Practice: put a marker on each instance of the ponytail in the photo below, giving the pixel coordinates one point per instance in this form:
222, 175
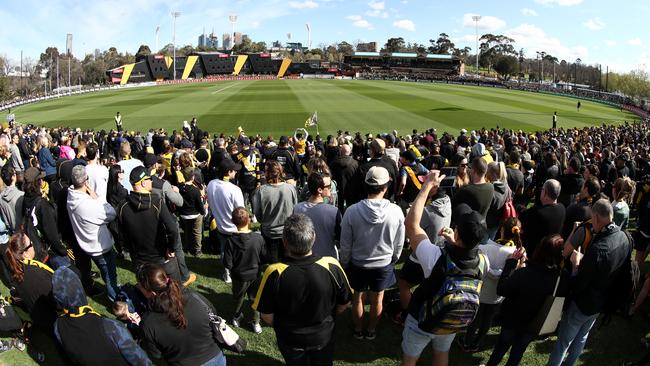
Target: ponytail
18, 244
512, 231
168, 296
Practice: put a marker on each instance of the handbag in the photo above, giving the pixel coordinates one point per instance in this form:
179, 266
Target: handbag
222, 333
548, 316
9, 319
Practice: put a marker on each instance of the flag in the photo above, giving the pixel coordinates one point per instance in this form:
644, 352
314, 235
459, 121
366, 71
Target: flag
312, 121
308, 122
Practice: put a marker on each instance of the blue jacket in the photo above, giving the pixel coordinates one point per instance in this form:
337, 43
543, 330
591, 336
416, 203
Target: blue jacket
46, 160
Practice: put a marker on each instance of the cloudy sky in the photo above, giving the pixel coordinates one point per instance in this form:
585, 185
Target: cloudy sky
597, 31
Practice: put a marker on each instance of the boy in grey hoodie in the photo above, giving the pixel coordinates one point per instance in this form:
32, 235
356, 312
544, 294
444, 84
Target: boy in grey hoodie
372, 237
11, 199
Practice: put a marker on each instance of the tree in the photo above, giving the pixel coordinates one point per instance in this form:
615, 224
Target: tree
506, 66
394, 45
442, 46
142, 51
492, 46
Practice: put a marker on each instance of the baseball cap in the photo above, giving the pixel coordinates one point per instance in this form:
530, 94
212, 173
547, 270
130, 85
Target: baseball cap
186, 144
33, 174
138, 174
471, 225
377, 176
228, 164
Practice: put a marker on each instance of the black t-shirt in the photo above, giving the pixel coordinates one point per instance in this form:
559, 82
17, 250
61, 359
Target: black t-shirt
35, 293
193, 345
302, 295
476, 196
540, 221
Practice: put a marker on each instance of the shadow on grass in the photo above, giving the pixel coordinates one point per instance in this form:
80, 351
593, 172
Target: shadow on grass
447, 109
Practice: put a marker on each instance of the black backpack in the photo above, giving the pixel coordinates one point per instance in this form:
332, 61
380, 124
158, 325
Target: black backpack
625, 282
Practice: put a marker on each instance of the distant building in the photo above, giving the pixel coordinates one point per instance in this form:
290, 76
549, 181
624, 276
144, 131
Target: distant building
295, 46
98, 53
245, 38
227, 42
209, 40
238, 37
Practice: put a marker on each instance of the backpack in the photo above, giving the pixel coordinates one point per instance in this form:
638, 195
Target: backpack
455, 304
625, 282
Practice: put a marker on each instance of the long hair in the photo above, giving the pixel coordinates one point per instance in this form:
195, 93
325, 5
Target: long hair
274, 172
114, 184
624, 189
549, 251
168, 296
18, 244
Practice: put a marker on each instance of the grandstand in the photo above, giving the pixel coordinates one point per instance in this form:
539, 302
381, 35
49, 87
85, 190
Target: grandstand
405, 63
208, 64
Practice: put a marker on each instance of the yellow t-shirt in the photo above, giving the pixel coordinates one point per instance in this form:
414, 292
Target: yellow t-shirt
300, 146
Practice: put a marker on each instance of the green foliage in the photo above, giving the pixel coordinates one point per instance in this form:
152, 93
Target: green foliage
443, 45
394, 45
142, 51
506, 66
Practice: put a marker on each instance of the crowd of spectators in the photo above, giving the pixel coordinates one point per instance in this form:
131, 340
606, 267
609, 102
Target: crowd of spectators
527, 215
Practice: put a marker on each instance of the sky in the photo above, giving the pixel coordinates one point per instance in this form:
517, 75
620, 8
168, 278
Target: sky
608, 33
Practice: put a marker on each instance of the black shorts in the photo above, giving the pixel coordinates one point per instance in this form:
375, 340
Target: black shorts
411, 272
371, 279
640, 241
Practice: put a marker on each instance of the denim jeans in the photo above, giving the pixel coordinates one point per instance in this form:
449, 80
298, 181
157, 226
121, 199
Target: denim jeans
218, 360
106, 264
572, 336
58, 261
512, 340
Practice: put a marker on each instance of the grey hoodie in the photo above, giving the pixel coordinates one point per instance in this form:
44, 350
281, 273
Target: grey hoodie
11, 202
372, 234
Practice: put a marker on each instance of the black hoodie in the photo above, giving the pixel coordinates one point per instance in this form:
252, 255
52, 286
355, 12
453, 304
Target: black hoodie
46, 219
243, 254
148, 227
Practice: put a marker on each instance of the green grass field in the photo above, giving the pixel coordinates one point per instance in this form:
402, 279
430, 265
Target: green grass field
280, 106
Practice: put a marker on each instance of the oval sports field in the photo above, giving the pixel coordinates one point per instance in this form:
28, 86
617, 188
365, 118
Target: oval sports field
278, 107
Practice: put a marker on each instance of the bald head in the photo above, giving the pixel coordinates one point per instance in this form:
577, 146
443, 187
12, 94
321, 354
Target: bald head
345, 150
552, 189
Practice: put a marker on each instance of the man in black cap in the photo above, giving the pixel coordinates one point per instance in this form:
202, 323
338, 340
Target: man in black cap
460, 256
250, 174
148, 226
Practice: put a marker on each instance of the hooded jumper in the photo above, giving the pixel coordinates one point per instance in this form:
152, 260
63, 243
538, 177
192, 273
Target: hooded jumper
372, 234
87, 337
147, 224
436, 215
11, 202
243, 255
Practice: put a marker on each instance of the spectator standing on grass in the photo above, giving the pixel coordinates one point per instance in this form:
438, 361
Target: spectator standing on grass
344, 168
593, 275
379, 159
46, 159
479, 193
11, 199
372, 237
86, 337
243, 256
272, 204
328, 217
223, 198
90, 216
177, 329
97, 173
461, 254
526, 284
542, 220
127, 163
191, 213
571, 182
287, 159
301, 296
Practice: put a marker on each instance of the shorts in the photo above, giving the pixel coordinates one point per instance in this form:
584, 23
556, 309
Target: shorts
411, 272
640, 241
371, 279
414, 339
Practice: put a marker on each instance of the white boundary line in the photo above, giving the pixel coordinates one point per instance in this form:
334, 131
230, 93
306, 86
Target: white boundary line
222, 89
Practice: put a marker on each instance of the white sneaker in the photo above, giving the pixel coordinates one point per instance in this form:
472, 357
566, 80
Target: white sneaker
257, 328
226, 277
236, 320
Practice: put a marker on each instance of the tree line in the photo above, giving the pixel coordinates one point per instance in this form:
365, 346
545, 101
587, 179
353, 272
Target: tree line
497, 54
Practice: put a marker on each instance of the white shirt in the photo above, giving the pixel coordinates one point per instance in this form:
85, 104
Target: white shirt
223, 198
98, 179
127, 166
428, 254
89, 218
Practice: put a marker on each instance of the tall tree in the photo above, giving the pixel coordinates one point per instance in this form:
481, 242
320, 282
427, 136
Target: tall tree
394, 44
492, 46
142, 51
506, 66
442, 46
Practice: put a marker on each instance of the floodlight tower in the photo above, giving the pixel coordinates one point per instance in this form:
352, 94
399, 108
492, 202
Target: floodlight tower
233, 20
308, 36
175, 14
157, 32
476, 19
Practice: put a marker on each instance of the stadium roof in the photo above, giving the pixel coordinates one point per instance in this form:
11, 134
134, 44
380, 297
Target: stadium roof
403, 55
440, 57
